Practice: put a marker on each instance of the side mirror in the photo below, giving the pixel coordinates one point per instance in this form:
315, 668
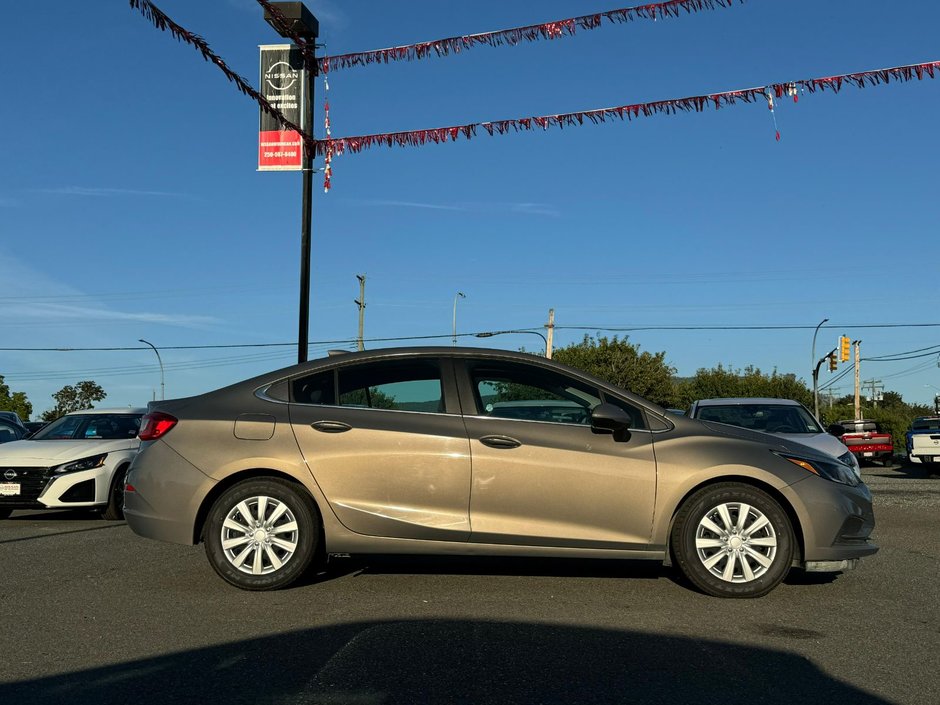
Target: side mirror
836, 429
607, 418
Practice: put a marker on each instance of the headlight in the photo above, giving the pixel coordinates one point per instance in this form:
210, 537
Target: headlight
849, 459
834, 470
95, 461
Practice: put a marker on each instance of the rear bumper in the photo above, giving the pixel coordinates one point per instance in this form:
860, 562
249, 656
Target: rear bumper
162, 495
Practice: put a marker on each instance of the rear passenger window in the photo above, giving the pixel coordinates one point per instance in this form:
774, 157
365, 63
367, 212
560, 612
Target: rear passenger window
317, 388
398, 386
394, 385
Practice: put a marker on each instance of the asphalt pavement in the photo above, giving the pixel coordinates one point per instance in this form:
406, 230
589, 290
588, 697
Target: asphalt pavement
91, 613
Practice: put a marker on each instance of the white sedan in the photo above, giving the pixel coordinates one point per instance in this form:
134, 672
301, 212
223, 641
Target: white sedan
77, 461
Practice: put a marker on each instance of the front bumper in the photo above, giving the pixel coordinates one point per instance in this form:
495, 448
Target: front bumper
39, 488
837, 522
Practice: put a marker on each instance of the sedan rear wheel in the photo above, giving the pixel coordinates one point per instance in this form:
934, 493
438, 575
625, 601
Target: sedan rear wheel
261, 534
733, 540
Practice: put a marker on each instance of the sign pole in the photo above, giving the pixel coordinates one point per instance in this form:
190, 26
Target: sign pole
284, 70
306, 205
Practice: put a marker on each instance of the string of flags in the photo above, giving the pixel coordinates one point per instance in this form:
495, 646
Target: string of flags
511, 37
330, 147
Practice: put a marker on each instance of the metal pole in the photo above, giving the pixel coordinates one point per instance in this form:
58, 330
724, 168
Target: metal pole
361, 301
551, 333
306, 204
458, 295
162, 387
816, 372
858, 405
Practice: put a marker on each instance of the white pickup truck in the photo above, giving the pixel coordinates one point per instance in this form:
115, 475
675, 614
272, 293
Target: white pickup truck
923, 440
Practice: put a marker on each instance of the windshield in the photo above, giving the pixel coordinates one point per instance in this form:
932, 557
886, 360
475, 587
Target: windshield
926, 425
91, 427
769, 418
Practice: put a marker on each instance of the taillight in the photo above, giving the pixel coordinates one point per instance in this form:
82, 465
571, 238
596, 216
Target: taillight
155, 425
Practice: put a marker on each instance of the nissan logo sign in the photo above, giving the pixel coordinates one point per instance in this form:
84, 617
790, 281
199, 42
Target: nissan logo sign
10, 474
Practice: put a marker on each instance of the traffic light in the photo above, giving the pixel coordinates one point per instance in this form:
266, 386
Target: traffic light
833, 363
844, 345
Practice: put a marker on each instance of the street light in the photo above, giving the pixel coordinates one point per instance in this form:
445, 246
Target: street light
816, 371
162, 388
490, 334
293, 19
458, 295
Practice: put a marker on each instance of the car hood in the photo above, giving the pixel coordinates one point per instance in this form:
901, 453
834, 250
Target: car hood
56, 452
820, 441
789, 443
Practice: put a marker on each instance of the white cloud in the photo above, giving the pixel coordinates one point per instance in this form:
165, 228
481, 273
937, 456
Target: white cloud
540, 209
102, 192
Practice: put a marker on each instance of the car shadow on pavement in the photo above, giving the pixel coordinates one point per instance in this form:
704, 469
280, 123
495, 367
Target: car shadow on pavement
488, 565
451, 661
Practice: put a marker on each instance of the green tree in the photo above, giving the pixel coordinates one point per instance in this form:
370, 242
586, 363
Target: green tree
81, 396
14, 401
622, 364
719, 382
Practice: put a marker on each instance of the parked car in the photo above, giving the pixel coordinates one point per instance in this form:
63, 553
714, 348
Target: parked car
33, 426
783, 417
13, 418
77, 461
430, 450
10, 431
866, 439
923, 440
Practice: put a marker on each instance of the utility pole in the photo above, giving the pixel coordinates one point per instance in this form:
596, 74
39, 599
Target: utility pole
876, 388
858, 402
361, 302
550, 326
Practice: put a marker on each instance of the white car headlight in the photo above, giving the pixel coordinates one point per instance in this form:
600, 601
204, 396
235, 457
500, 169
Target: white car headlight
95, 461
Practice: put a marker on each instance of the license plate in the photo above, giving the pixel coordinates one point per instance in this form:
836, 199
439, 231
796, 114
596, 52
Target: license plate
9, 488
868, 455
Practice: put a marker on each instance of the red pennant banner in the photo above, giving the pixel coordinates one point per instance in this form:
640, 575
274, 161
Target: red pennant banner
413, 138
516, 35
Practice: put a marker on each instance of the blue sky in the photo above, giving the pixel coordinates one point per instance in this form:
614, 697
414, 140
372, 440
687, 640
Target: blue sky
130, 206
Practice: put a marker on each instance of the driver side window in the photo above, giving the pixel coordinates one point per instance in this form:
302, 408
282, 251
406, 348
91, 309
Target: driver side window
517, 391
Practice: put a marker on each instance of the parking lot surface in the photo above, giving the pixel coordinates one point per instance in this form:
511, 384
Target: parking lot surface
92, 613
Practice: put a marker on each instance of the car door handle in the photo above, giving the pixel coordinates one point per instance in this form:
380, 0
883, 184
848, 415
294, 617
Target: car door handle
500, 442
331, 426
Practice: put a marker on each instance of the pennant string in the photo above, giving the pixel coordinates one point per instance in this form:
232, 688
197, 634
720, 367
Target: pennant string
898, 74
516, 35
162, 22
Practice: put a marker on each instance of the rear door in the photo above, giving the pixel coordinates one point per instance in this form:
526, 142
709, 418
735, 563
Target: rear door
387, 446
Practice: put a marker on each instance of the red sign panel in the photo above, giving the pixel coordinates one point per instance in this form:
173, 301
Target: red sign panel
283, 83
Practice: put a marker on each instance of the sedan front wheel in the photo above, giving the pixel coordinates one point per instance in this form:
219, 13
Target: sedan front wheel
261, 534
733, 540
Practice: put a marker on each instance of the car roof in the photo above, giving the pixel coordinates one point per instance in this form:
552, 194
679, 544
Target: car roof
746, 400
337, 361
124, 410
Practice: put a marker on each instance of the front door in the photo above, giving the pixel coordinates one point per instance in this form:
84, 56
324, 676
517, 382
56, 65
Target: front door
541, 476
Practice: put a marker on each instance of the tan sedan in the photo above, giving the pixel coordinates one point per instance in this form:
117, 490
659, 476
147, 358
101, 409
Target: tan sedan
484, 452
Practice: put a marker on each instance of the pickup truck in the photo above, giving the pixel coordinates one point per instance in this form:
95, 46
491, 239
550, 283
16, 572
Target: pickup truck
866, 441
923, 440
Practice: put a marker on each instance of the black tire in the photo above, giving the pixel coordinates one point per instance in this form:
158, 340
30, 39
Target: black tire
114, 511
263, 554
5, 513
721, 559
